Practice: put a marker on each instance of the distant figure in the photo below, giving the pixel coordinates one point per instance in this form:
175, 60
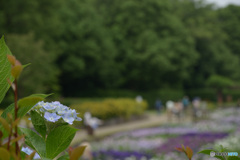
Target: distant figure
158, 105
91, 123
185, 102
238, 103
170, 108
204, 109
139, 99
196, 108
177, 110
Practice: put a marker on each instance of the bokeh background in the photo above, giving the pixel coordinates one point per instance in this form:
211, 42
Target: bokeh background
115, 58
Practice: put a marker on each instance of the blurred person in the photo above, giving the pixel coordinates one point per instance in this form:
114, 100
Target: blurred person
91, 123
139, 99
158, 105
204, 109
196, 108
177, 110
185, 102
169, 107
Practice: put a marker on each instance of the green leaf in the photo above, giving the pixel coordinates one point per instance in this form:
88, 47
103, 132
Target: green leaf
32, 100
233, 158
5, 124
58, 140
35, 141
9, 109
27, 103
24, 104
207, 151
39, 123
43, 158
25, 65
5, 69
64, 157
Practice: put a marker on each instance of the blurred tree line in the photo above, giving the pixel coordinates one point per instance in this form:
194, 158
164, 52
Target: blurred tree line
79, 46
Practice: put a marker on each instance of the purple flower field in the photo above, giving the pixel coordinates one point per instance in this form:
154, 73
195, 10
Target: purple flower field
159, 143
193, 140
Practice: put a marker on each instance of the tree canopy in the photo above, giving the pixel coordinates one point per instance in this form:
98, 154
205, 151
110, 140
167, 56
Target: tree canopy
86, 45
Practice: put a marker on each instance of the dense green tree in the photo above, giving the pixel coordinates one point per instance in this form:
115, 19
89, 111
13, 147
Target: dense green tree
29, 27
220, 83
229, 18
215, 57
153, 45
137, 45
87, 59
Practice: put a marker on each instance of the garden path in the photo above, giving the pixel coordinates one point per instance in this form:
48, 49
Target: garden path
151, 120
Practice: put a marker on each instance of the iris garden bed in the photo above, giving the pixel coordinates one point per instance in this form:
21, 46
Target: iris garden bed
159, 143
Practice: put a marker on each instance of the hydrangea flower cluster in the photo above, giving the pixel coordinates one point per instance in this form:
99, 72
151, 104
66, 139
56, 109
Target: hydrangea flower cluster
55, 110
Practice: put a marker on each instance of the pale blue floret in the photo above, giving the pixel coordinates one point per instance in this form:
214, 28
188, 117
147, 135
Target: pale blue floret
72, 113
62, 109
49, 106
42, 110
68, 118
78, 119
52, 117
36, 156
26, 150
56, 103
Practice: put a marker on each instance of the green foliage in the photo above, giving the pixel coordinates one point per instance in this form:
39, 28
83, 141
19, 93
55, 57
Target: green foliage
220, 150
35, 141
25, 105
205, 93
117, 45
112, 108
234, 93
219, 81
229, 17
58, 140
39, 123
233, 158
5, 125
64, 157
53, 138
27, 49
5, 68
208, 151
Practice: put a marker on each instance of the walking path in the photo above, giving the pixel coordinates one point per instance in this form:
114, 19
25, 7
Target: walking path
151, 120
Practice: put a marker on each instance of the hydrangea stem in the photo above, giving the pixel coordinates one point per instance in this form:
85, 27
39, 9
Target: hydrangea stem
16, 111
9, 139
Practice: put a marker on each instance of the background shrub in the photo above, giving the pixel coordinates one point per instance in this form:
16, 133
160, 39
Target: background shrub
112, 108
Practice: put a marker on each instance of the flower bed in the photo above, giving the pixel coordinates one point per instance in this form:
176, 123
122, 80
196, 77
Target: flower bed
159, 143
